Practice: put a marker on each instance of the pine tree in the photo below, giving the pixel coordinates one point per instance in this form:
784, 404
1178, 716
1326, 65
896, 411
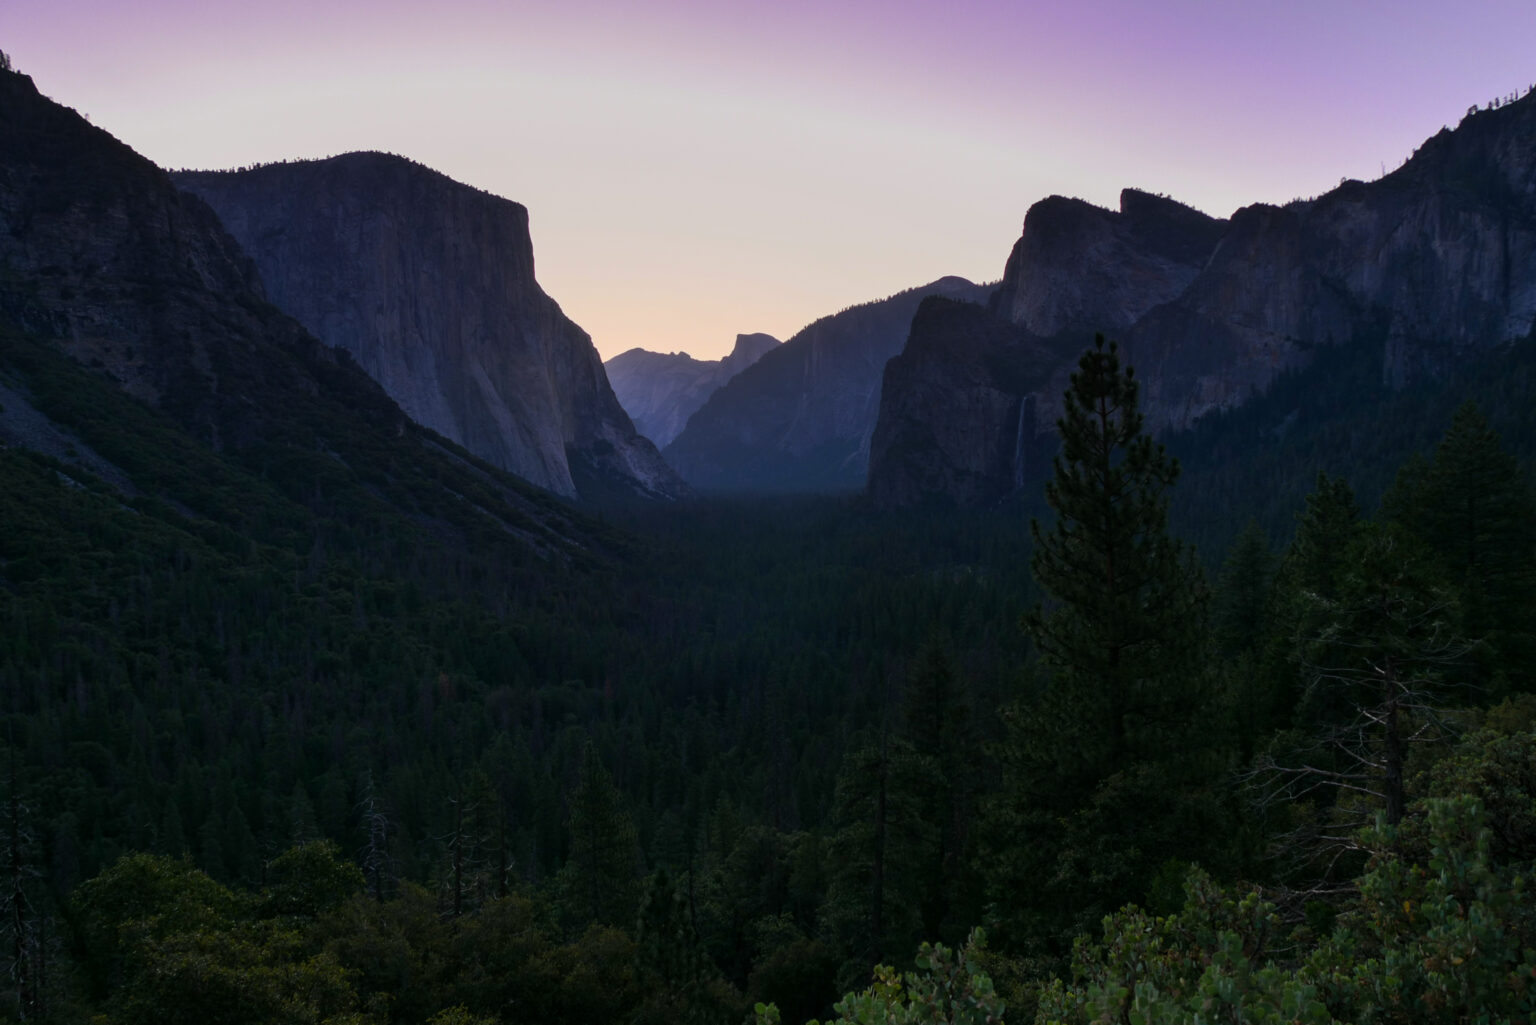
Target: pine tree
1470, 504
1122, 633
1310, 575
1241, 604
375, 851
682, 985
1324, 529
477, 860
1104, 770
881, 852
17, 915
1240, 623
599, 881
937, 724
1381, 664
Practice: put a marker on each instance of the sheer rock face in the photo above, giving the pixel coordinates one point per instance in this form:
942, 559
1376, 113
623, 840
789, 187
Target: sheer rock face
1079, 267
801, 417
429, 284
661, 390
980, 371
104, 258
1432, 264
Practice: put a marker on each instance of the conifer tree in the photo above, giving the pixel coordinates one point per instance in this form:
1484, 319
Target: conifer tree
681, 984
938, 727
1472, 506
1379, 667
600, 878
1324, 529
1240, 624
1310, 575
1122, 630
1241, 603
17, 916
375, 852
1103, 771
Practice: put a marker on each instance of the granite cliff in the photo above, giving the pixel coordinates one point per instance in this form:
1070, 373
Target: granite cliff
429, 284
1427, 267
1078, 267
104, 260
661, 390
800, 418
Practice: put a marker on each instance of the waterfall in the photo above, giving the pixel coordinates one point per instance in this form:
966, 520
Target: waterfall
1018, 444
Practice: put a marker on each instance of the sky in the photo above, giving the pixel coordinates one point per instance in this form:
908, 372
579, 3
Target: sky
698, 168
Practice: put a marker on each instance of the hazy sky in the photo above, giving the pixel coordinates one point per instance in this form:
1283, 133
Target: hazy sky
698, 168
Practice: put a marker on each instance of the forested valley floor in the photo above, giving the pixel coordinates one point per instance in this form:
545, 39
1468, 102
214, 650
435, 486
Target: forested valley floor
272, 755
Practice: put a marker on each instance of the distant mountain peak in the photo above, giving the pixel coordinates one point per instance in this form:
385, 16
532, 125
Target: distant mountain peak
800, 418
660, 391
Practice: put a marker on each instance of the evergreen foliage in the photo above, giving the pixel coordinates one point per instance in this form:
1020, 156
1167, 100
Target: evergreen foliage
1379, 666
1127, 600
1470, 504
1104, 770
883, 847
282, 751
1241, 602
600, 881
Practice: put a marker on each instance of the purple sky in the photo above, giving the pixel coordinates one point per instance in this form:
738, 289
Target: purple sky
698, 168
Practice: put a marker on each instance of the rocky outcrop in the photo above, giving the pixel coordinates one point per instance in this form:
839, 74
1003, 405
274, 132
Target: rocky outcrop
1429, 266
661, 390
429, 284
1078, 267
801, 417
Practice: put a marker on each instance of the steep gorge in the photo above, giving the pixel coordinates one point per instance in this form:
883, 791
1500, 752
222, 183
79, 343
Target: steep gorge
661, 390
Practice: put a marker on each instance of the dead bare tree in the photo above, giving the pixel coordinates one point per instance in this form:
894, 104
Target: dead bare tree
1380, 668
375, 859
18, 917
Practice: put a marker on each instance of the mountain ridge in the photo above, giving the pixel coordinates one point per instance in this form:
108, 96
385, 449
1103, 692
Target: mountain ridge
1432, 264
126, 279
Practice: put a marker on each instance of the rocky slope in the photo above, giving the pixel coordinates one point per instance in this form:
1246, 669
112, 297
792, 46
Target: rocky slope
103, 259
429, 284
1430, 266
800, 418
661, 390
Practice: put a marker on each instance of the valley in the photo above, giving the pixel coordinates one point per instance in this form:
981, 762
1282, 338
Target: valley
366, 660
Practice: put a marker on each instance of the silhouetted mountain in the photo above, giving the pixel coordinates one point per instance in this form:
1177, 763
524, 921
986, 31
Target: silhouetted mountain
430, 285
661, 390
800, 418
254, 423
1080, 267
1429, 267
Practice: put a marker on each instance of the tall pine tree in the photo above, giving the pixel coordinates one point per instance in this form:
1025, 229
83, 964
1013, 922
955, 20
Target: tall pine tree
600, 881
1473, 507
1121, 633
1103, 770
1310, 575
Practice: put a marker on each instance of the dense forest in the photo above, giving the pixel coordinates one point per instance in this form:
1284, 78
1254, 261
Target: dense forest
272, 754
